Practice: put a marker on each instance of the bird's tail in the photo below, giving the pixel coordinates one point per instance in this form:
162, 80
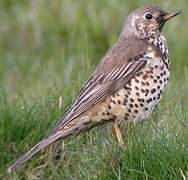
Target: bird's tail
38, 147
60, 134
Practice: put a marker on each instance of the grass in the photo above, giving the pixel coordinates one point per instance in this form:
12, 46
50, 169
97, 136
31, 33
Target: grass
47, 50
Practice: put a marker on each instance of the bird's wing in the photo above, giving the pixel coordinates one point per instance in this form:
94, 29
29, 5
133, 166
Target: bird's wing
99, 87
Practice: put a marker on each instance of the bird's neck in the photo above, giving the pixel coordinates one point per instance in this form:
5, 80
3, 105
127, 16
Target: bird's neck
160, 43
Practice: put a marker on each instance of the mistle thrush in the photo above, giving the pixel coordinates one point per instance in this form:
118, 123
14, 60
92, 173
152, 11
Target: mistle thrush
126, 85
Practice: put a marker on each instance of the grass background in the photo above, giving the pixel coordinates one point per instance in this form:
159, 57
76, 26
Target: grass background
47, 50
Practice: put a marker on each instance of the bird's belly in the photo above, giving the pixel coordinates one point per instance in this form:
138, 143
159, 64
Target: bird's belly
139, 97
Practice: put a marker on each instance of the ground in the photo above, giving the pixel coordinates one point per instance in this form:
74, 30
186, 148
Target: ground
47, 50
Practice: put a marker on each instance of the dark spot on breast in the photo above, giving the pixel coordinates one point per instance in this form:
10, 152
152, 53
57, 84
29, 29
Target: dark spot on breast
127, 88
125, 101
155, 80
149, 100
149, 72
147, 83
141, 100
136, 80
160, 81
125, 118
151, 76
127, 114
153, 90
126, 95
142, 90
158, 87
136, 87
128, 92
118, 101
136, 105
154, 98
108, 113
143, 83
136, 111
145, 77
109, 107
131, 100
147, 91
141, 104
146, 109
114, 117
129, 110
156, 66
158, 77
137, 94
114, 102
161, 74
131, 105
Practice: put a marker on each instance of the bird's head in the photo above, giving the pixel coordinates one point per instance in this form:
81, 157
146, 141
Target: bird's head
147, 21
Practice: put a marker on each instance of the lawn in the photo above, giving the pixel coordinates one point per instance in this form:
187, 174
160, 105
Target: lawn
48, 49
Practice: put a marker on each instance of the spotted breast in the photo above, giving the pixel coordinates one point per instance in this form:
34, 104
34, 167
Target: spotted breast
139, 97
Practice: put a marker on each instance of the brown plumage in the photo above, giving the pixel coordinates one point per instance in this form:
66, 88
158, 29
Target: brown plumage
123, 86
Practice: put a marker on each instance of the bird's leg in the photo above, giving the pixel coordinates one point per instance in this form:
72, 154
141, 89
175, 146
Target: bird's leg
118, 134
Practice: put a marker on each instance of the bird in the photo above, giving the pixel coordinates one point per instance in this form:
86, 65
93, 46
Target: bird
127, 84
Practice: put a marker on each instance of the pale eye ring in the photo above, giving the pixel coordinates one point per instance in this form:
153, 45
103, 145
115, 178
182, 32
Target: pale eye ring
148, 16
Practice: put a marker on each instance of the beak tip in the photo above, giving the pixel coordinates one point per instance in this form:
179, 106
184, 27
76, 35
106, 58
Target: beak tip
178, 13
171, 15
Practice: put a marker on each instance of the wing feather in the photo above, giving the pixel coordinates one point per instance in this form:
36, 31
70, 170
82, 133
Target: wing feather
98, 88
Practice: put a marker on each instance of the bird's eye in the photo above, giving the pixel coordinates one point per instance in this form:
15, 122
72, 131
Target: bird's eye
148, 16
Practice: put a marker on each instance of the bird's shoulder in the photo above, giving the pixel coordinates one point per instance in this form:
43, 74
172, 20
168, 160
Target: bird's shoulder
123, 50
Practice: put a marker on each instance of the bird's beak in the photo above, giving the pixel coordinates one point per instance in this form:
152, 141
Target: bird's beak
170, 15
